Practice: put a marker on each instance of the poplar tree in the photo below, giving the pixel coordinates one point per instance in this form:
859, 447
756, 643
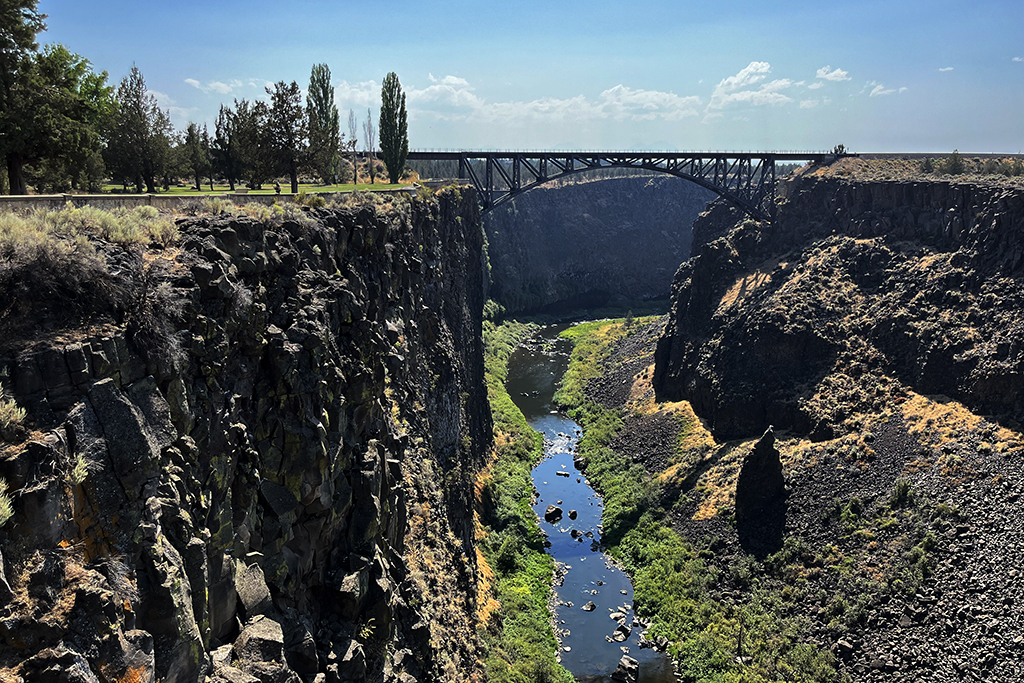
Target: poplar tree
370, 138
324, 124
353, 142
394, 128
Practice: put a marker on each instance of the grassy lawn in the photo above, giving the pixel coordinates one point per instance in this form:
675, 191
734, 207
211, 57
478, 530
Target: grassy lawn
269, 189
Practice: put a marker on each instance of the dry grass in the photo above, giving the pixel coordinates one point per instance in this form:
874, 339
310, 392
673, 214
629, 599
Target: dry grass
939, 421
717, 486
746, 285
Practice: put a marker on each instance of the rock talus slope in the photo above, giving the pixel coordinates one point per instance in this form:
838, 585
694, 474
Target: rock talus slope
261, 471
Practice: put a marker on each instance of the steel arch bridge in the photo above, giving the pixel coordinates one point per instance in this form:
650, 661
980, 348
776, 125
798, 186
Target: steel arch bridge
747, 179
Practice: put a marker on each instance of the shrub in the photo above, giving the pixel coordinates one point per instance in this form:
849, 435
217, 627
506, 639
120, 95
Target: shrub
11, 416
218, 206
6, 504
953, 164
927, 166
312, 200
901, 495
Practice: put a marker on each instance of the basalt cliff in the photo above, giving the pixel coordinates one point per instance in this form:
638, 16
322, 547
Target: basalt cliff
248, 455
915, 283
592, 243
837, 421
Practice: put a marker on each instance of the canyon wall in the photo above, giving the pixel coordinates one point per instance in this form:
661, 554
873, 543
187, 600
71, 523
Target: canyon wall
591, 243
854, 284
257, 463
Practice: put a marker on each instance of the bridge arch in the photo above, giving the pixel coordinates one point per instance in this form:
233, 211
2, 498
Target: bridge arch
746, 179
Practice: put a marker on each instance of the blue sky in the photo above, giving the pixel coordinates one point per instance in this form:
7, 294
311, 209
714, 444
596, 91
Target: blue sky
876, 75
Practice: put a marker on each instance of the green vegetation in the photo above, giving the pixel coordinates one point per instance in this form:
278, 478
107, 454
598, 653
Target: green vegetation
520, 640
394, 127
713, 639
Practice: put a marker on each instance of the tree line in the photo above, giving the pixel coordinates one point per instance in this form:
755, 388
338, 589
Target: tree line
63, 127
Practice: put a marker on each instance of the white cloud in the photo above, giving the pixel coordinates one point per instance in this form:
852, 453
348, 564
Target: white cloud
359, 96
1018, 59
880, 90
449, 80
737, 89
453, 99
815, 85
808, 104
902, 90
829, 74
218, 87
946, 68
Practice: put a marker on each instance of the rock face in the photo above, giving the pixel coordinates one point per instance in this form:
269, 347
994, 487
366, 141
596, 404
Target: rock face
760, 493
760, 484
591, 242
917, 281
273, 451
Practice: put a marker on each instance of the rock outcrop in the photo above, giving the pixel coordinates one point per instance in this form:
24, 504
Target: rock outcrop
263, 470
917, 281
591, 243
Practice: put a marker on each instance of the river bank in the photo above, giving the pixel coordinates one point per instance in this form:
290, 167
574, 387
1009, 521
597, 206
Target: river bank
589, 585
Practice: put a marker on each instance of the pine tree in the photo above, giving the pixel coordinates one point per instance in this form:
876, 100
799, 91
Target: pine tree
394, 127
324, 124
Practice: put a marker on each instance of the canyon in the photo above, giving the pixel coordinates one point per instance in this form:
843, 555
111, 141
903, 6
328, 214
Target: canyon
260, 450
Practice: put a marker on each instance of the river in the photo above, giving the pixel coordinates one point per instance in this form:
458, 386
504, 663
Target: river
584, 573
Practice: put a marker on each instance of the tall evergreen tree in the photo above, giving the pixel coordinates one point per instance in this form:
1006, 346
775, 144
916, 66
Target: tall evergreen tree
225, 148
394, 127
59, 106
139, 141
20, 21
255, 149
197, 158
324, 124
288, 128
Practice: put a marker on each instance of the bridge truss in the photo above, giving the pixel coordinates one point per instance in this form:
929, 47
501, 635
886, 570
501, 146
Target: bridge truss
747, 179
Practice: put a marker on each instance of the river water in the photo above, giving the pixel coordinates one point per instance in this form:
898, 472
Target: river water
585, 573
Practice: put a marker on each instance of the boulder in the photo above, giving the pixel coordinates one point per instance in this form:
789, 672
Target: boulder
553, 513
628, 670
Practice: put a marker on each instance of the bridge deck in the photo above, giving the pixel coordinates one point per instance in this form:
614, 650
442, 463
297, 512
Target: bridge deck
747, 179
